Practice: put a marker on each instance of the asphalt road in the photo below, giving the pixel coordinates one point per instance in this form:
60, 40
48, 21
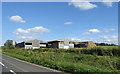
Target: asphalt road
15, 66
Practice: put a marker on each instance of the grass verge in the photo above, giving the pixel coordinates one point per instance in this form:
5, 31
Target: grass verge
66, 61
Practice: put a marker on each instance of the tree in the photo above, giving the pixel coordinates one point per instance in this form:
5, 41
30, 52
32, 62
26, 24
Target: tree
9, 44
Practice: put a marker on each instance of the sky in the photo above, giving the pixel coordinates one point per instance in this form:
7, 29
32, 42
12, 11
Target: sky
78, 21
0, 23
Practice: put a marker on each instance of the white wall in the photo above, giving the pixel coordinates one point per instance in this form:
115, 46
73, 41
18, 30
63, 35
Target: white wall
71, 45
35, 47
66, 47
28, 47
42, 45
62, 46
13, 43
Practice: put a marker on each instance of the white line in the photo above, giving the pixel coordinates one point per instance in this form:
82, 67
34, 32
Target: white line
2, 64
12, 71
13, 64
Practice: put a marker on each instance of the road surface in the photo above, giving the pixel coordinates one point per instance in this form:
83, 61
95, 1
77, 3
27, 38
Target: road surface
15, 66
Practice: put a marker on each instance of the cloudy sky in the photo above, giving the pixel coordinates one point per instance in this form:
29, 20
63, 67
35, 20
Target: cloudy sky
79, 21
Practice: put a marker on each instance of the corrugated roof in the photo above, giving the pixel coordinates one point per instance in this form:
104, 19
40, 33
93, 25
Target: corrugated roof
55, 41
31, 41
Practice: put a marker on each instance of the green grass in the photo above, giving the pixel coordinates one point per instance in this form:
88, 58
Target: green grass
71, 60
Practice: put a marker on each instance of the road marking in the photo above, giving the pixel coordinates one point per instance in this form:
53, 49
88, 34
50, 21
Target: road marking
40, 66
12, 71
13, 65
28, 63
5, 67
2, 64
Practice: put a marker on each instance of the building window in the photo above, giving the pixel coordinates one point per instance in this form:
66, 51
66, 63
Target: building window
28, 43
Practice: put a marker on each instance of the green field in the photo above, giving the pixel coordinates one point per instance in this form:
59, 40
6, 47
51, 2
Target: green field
98, 59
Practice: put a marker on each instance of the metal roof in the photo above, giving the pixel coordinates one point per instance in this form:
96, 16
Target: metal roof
35, 40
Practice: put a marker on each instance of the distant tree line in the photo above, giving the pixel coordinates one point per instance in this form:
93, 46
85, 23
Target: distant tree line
105, 44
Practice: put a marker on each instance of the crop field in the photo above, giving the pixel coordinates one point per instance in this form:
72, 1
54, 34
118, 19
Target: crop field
97, 59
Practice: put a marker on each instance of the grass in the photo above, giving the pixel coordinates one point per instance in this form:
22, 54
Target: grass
71, 60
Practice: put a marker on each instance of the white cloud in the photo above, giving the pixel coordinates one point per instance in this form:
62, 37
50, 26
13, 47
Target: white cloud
71, 39
68, 23
109, 39
83, 5
113, 29
30, 33
91, 31
108, 3
25, 37
109, 30
17, 18
81, 39
76, 39
113, 39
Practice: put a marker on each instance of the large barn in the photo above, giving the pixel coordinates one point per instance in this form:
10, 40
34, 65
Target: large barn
60, 44
85, 44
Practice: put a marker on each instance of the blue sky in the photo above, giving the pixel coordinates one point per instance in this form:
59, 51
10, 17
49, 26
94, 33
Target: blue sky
1, 23
96, 22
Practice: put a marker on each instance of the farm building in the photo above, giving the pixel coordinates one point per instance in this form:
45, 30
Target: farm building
20, 45
84, 44
32, 44
60, 44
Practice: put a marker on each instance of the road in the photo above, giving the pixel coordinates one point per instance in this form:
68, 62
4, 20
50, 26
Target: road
15, 66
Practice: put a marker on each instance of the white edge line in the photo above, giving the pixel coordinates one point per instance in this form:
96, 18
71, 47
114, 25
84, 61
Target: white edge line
2, 64
12, 71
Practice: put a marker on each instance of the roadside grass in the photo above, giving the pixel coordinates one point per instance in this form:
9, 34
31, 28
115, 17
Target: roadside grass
71, 60
0, 51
